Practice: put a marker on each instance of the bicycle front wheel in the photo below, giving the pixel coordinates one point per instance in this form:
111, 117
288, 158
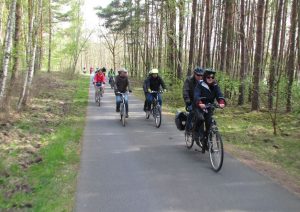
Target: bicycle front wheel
216, 151
157, 116
122, 113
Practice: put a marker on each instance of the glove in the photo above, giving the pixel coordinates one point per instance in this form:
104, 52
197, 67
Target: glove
165, 90
149, 90
130, 91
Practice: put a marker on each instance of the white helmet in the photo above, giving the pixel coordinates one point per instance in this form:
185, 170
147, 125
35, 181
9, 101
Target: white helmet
154, 71
122, 70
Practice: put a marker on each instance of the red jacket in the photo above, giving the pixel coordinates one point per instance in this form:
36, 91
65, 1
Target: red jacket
99, 78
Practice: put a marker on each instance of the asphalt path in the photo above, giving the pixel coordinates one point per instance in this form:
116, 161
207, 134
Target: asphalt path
140, 168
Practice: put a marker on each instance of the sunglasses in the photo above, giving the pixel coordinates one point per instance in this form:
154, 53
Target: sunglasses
210, 77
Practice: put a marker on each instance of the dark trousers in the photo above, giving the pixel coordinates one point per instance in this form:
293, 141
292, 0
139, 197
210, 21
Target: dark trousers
199, 129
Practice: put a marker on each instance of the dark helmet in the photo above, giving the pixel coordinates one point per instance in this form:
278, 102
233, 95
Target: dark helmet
180, 120
209, 71
103, 69
198, 71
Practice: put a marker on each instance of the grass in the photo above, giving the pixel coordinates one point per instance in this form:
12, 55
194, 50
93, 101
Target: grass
45, 179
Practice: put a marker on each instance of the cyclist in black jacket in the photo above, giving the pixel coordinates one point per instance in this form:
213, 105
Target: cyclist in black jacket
206, 92
188, 93
153, 83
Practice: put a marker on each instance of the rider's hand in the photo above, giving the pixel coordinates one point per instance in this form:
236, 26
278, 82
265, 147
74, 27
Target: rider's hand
202, 106
149, 90
130, 91
222, 105
165, 90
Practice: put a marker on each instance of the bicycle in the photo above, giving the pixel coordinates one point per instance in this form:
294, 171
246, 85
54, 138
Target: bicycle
122, 108
98, 94
155, 109
111, 82
213, 141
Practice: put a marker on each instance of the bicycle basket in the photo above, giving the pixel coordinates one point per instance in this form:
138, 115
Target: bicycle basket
180, 120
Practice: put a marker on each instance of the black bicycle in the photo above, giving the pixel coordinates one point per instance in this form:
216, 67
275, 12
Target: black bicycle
214, 143
122, 108
98, 94
155, 109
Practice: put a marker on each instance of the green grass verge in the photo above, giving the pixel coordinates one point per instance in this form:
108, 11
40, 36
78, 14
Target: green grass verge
50, 183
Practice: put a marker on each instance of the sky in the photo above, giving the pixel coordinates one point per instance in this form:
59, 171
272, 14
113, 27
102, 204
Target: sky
91, 21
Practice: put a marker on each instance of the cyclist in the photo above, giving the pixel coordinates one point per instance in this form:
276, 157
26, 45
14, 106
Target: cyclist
206, 91
99, 80
122, 85
188, 93
153, 83
111, 75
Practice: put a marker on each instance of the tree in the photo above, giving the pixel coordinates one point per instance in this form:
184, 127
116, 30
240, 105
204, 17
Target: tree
192, 37
291, 57
7, 51
258, 56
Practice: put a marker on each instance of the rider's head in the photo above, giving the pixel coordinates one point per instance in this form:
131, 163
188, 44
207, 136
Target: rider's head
122, 72
154, 72
103, 69
198, 73
209, 76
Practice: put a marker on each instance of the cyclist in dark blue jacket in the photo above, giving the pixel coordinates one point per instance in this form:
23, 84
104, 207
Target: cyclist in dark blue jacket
206, 92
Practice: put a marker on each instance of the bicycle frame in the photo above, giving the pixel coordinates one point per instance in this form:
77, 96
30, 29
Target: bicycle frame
122, 107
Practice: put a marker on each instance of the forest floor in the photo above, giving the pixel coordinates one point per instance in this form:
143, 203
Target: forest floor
40, 146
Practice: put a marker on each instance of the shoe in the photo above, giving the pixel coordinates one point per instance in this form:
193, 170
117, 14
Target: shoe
126, 116
118, 110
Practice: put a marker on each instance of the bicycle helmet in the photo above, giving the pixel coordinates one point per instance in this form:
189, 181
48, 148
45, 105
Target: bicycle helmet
180, 120
154, 71
103, 69
198, 71
122, 70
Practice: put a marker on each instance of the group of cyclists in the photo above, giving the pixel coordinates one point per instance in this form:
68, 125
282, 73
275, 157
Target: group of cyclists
199, 90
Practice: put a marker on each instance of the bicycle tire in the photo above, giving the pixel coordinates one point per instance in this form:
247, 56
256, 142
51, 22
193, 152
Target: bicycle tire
189, 141
157, 116
122, 112
216, 150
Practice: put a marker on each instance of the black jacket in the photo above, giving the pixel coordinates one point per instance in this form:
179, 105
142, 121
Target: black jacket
154, 83
188, 89
121, 84
207, 94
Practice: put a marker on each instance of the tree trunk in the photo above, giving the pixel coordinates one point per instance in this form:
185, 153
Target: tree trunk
29, 76
7, 51
274, 57
181, 34
258, 56
50, 37
192, 37
206, 61
243, 50
17, 54
291, 58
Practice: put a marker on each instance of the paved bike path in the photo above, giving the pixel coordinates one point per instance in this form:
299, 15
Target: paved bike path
140, 168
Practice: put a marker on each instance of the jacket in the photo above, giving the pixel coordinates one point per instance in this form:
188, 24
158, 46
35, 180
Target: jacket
99, 78
154, 84
121, 84
207, 94
188, 89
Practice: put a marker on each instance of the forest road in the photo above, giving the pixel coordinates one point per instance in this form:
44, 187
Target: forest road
140, 168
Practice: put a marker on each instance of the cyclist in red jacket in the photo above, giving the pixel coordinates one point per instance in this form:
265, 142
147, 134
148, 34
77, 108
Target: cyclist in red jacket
99, 80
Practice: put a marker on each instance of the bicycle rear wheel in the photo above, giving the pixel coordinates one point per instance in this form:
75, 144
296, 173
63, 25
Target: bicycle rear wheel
157, 116
122, 112
215, 149
189, 141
